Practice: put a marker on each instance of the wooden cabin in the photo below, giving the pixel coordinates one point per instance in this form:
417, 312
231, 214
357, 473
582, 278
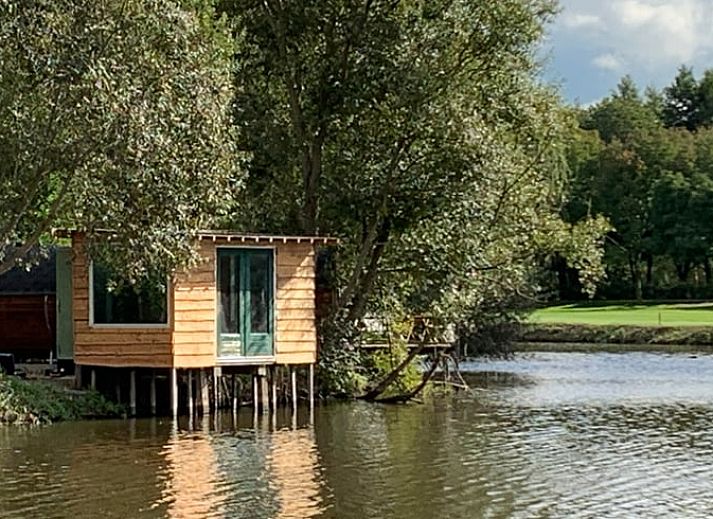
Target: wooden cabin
247, 307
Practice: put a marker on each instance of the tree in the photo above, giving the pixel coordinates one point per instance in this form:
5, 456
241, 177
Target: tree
681, 109
414, 130
113, 115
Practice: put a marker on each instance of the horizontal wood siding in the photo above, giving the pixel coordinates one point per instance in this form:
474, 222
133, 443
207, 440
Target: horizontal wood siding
190, 341
295, 330
107, 345
194, 334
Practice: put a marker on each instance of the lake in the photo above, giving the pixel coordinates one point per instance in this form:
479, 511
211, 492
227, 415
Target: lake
543, 435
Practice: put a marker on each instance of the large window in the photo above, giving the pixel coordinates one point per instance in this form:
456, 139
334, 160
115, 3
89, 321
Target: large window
118, 302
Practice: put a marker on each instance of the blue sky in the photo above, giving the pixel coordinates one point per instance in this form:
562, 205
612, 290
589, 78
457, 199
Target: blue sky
593, 43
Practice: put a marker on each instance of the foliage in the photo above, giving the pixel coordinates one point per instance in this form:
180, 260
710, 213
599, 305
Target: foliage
43, 402
415, 131
645, 164
113, 115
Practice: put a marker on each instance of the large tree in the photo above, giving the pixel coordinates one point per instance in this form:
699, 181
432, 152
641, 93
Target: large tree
113, 115
414, 130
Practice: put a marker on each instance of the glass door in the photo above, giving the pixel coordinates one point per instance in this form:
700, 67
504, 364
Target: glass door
245, 302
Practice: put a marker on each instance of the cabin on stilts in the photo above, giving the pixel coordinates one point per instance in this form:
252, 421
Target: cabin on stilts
248, 307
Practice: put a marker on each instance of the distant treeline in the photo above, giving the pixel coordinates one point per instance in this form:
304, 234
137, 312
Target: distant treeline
645, 162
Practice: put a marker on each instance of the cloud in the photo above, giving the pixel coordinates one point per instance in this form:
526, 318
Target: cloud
578, 20
607, 62
651, 34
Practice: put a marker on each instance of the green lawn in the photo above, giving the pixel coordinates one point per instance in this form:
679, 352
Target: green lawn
632, 314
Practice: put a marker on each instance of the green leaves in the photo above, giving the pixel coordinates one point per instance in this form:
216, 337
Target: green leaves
114, 116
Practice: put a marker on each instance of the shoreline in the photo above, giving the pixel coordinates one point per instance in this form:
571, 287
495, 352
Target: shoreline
576, 337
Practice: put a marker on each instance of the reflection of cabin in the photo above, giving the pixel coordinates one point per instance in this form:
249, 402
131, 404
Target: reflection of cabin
27, 310
249, 304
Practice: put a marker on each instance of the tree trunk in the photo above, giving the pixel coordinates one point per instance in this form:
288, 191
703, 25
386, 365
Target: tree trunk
635, 277
650, 273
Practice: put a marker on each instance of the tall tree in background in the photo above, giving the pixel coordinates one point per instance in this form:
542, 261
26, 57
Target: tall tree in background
113, 115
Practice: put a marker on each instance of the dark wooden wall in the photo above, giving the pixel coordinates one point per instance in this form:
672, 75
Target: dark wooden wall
27, 325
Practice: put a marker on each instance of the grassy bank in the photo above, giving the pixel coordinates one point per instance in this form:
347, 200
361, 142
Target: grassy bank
620, 326
36, 402
669, 315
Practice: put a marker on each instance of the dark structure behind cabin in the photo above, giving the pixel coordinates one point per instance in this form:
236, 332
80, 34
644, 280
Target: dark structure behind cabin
27, 311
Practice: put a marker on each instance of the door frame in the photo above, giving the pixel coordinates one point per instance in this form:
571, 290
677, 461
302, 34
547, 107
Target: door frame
246, 359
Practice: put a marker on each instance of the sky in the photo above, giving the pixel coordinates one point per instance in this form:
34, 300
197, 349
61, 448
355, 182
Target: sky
593, 43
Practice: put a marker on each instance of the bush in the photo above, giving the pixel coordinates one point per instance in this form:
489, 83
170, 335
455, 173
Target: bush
35, 402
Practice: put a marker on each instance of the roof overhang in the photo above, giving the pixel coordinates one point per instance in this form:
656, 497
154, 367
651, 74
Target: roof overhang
234, 236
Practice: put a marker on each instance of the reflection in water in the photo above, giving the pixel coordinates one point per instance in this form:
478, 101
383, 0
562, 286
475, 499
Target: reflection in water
191, 476
547, 435
293, 472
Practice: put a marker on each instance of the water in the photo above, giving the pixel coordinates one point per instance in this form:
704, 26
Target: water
545, 435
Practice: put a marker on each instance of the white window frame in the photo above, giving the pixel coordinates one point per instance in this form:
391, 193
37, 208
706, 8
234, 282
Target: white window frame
160, 326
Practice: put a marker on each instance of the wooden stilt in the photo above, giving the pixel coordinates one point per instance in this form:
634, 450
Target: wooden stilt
174, 393
152, 392
273, 384
190, 393
132, 392
216, 397
255, 393
117, 386
205, 395
265, 394
311, 392
235, 394
293, 377
78, 377
205, 391
93, 379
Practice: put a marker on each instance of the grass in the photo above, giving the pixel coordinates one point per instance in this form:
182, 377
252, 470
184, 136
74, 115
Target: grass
627, 314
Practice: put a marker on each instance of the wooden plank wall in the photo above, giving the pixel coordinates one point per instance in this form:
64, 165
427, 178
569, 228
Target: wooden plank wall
194, 336
112, 346
190, 340
195, 307
296, 335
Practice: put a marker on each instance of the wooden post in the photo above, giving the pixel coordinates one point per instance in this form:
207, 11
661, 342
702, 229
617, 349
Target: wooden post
311, 392
174, 393
205, 396
117, 386
235, 394
265, 394
273, 383
152, 391
190, 393
255, 393
93, 379
132, 392
216, 397
293, 376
